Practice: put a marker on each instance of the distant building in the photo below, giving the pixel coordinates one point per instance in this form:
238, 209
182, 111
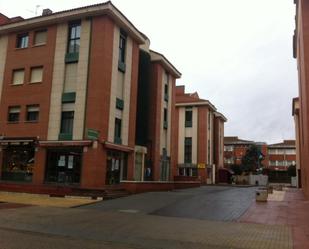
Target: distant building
281, 155
235, 148
200, 136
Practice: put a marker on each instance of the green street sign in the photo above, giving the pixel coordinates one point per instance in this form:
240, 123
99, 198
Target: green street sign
92, 134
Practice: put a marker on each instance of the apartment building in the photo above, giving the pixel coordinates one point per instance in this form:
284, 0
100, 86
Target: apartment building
281, 155
235, 148
155, 127
70, 90
200, 136
300, 46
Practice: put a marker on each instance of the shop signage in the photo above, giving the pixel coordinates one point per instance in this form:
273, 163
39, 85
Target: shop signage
92, 134
201, 166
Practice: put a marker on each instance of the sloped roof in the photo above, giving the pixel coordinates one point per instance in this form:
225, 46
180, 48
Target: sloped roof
106, 8
236, 140
285, 143
157, 57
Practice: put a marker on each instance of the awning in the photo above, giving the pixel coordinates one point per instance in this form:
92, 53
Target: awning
65, 143
113, 146
11, 141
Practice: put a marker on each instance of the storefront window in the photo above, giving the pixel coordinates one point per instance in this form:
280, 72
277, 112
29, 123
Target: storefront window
18, 163
117, 169
64, 165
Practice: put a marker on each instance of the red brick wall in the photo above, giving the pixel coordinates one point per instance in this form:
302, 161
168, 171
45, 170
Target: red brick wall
39, 167
218, 142
202, 144
174, 132
3, 19
28, 94
155, 117
98, 99
100, 75
133, 103
303, 75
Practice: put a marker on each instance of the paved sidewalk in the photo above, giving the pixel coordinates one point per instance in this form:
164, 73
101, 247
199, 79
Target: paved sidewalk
141, 230
43, 200
292, 210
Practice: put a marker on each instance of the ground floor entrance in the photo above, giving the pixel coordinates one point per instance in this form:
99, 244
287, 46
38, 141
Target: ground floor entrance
63, 165
116, 167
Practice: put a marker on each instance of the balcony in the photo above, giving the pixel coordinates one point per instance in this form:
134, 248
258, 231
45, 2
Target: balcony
68, 97
117, 140
71, 57
188, 124
119, 104
65, 136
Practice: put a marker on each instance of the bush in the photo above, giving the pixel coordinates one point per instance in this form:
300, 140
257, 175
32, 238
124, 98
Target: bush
236, 169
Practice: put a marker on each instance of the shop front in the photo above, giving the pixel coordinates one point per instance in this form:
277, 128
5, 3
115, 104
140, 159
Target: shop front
17, 160
63, 165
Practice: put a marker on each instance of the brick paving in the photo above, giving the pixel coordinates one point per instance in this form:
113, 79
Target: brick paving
143, 230
215, 203
292, 210
43, 200
4, 205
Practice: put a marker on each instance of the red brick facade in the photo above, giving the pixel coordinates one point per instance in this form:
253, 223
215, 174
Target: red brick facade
30, 154
209, 136
300, 48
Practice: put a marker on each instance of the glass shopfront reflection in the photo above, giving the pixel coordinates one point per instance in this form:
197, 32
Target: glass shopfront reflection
18, 162
116, 167
64, 165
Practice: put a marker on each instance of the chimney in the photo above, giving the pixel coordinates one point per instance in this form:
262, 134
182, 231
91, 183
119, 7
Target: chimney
47, 12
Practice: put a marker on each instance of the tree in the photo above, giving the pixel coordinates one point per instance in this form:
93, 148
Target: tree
251, 161
236, 169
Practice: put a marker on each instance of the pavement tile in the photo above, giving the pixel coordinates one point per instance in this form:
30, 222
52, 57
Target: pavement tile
292, 210
43, 200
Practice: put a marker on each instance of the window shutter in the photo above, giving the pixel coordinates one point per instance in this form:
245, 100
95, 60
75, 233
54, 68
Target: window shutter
40, 37
18, 77
36, 74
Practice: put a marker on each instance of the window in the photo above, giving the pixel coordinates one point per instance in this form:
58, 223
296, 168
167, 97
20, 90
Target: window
290, 151
166, 79
33, 113
117, 134
74, 38
165, 92
188, 118
64, 165
67, 118
228, 148
22, 40
188, 150
165, 118
209, 123
40, 37
208, 150
13, 115
122, 47
36, 74
18, 77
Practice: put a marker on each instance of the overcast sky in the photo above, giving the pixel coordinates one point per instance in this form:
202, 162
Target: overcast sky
237, 54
